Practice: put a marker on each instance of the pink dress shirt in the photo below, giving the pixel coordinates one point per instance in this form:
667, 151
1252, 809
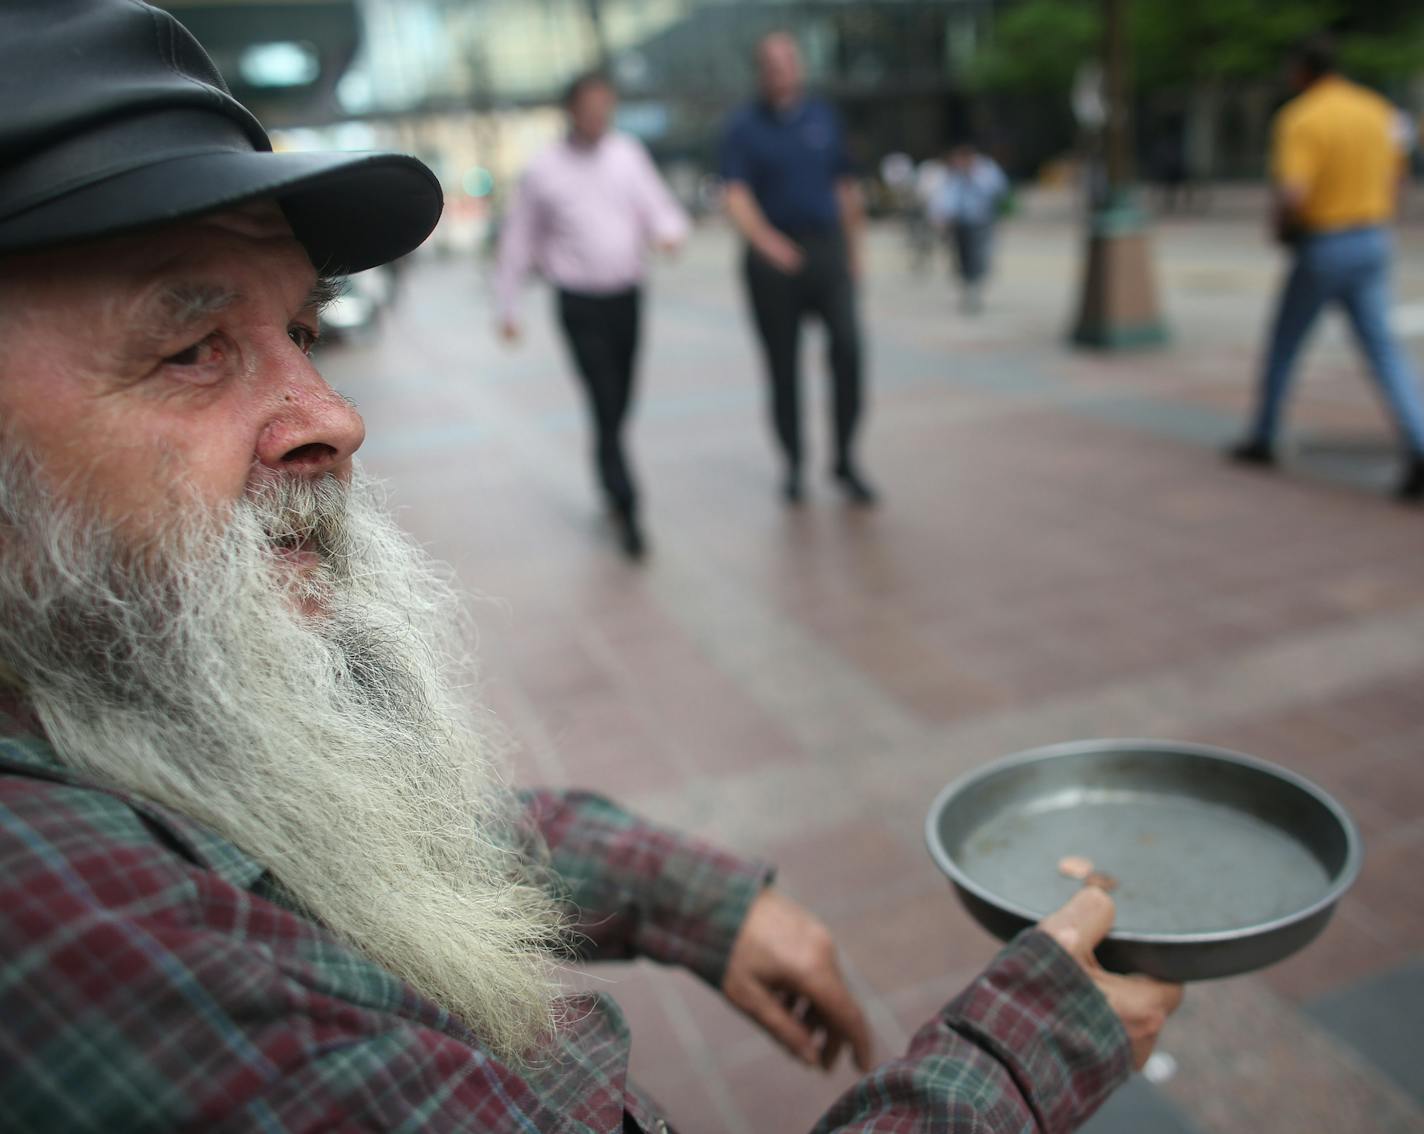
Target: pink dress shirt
584, 217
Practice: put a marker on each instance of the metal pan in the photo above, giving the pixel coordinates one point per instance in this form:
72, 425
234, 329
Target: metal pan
1224, 863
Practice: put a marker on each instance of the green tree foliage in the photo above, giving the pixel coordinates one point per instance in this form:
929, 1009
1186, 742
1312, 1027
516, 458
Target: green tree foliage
1038, 45
1382, 57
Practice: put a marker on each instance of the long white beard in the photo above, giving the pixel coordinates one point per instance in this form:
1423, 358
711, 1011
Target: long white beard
330, 745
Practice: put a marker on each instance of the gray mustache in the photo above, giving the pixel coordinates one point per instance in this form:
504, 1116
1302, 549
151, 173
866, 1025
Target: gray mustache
295, 511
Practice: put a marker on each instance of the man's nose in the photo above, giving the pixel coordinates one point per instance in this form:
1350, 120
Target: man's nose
312, 429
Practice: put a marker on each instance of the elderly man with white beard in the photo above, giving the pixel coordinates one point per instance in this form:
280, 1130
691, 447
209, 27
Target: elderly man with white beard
258, 867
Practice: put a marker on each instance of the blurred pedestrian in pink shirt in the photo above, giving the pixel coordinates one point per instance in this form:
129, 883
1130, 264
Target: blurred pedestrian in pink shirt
584, 215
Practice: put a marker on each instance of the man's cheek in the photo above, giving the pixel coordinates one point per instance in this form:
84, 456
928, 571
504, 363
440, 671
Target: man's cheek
146, 486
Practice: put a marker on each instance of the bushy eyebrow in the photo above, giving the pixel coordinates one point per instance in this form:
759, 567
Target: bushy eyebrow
180, 305
171, 310
176, 307
326, 291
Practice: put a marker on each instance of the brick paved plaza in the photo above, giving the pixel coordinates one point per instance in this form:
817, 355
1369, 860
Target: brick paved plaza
1061, 554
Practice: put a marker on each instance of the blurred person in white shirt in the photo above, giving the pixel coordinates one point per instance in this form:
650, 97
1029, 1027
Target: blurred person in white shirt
929, 180
965, 207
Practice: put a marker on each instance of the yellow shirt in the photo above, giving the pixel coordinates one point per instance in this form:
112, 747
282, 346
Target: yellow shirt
1336, 144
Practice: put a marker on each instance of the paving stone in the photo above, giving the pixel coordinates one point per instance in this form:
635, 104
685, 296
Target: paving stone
1138, 1108
1379, 1017
1248, 1061
1352, 947
1061, 553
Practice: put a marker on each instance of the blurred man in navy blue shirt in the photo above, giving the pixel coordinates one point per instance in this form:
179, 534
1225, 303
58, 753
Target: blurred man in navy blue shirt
792, 194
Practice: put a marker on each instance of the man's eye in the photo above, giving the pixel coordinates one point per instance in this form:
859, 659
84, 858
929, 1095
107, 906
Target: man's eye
304, 337
203, 353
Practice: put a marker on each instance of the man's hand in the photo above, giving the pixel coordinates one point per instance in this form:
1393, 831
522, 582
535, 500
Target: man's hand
510, 331
850, 202
1286, 224
1142, 1004
855, 261
775, 247
781, 252
783, 973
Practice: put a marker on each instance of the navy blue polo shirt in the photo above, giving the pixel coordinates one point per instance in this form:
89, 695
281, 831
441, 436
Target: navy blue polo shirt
790, 161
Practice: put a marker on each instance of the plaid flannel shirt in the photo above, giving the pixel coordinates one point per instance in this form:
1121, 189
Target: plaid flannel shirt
151, 980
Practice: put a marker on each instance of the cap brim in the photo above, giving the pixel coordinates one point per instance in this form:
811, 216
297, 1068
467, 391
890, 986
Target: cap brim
350, 211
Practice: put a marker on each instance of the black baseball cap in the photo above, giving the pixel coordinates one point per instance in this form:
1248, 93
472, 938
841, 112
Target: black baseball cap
114, 119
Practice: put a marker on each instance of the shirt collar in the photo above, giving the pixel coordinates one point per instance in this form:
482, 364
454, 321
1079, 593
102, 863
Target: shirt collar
585, 149
26, 751
789, 114
1325, 84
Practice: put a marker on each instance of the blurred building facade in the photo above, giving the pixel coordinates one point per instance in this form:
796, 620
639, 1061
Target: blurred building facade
472, 86
893, 66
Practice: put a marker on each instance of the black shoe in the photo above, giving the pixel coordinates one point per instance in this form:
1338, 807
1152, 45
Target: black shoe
856, 490
630, 536
1411, 484
791, 489
1254, 452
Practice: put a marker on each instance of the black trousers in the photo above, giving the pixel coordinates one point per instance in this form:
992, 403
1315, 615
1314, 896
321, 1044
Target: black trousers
602, 333
780, 302
971, 250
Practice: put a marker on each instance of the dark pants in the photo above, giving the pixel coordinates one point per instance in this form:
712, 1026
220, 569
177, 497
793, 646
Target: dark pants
602, 333
971, 250
822, 287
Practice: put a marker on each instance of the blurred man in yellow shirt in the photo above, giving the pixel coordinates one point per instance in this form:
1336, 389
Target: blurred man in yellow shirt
1337, 164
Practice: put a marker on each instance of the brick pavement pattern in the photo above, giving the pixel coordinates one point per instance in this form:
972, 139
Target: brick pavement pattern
1062, 554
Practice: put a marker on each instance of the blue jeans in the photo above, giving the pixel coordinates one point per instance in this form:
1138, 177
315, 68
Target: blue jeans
1351, 268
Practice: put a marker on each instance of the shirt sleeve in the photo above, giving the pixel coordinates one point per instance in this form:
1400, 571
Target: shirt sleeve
1295, 154
1030, 1045
663, 218
636, 890
845, 163
142, 994
995, 179
735, 162
518, 247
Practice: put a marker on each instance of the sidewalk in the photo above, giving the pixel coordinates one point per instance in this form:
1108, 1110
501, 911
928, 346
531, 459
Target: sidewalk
1229, 202
1062, 554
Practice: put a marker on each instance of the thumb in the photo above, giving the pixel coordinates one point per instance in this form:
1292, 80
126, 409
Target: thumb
1082, 923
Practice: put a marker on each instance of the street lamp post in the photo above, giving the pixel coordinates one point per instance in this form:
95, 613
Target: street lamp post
1118, 305
1119, 158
